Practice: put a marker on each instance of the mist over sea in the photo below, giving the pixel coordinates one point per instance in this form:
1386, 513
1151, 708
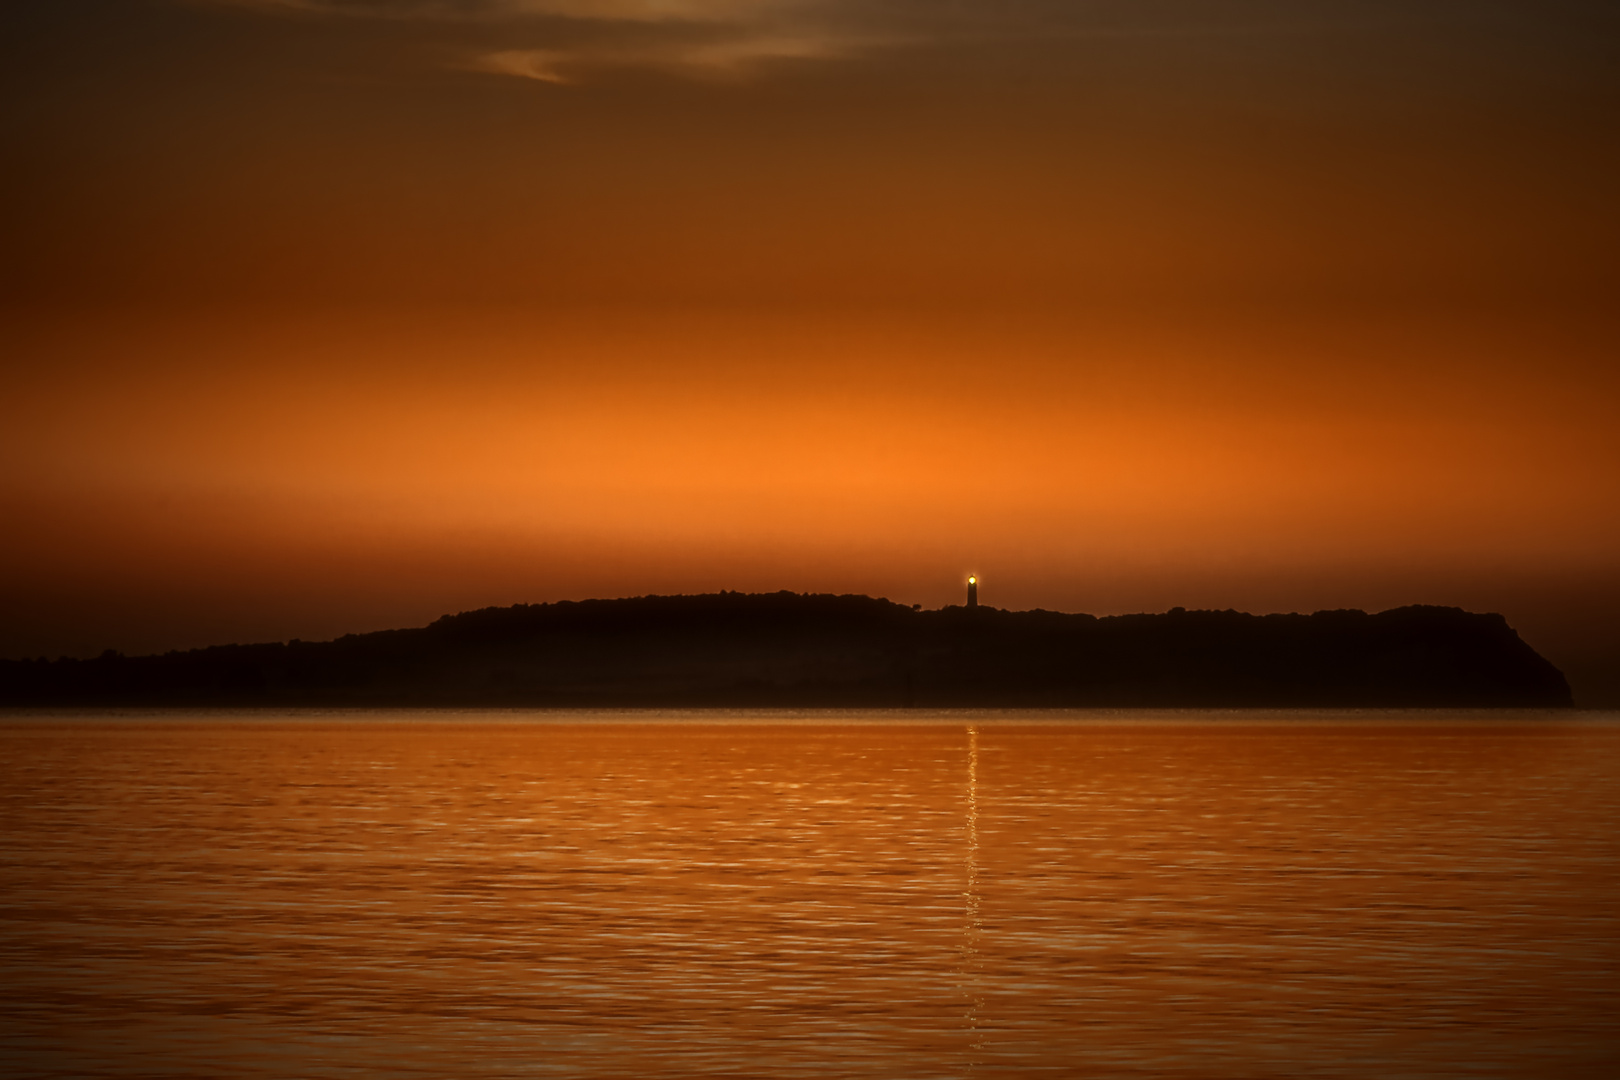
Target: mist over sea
810, 893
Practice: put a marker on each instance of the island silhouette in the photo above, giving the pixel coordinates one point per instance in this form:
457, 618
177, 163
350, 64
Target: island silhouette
790, 649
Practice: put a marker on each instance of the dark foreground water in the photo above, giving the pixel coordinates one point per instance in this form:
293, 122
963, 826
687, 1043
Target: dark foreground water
830, 894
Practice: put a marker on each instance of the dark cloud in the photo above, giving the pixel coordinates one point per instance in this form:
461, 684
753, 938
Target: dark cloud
558, 40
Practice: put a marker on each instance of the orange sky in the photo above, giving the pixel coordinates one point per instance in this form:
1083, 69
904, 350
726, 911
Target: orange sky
335, 316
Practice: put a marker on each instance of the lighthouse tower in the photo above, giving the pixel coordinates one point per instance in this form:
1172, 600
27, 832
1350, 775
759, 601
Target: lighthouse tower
973, 590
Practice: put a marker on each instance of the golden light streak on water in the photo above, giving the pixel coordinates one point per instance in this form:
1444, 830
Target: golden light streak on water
970, 945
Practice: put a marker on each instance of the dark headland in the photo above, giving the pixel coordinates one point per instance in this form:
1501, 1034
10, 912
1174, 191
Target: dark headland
786, 649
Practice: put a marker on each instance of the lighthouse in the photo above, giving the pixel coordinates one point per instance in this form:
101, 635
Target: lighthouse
973, 590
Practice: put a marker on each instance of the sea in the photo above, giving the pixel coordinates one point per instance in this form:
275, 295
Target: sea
809, 894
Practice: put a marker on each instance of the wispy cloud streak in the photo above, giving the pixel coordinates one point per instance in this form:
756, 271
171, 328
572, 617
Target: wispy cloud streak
695, 38
738, 57
504, 10
560, 41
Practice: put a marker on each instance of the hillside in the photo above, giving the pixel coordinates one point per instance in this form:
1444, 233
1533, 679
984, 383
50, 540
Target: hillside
786, 649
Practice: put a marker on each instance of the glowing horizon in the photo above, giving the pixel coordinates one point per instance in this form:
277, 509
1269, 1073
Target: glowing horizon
333, 317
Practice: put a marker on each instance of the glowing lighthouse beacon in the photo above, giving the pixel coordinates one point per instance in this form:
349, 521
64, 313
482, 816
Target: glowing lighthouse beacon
973, 590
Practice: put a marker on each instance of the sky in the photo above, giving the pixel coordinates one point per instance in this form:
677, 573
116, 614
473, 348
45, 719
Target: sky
326, 316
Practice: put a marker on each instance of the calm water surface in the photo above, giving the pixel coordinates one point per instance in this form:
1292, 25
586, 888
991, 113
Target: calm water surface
830, 894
